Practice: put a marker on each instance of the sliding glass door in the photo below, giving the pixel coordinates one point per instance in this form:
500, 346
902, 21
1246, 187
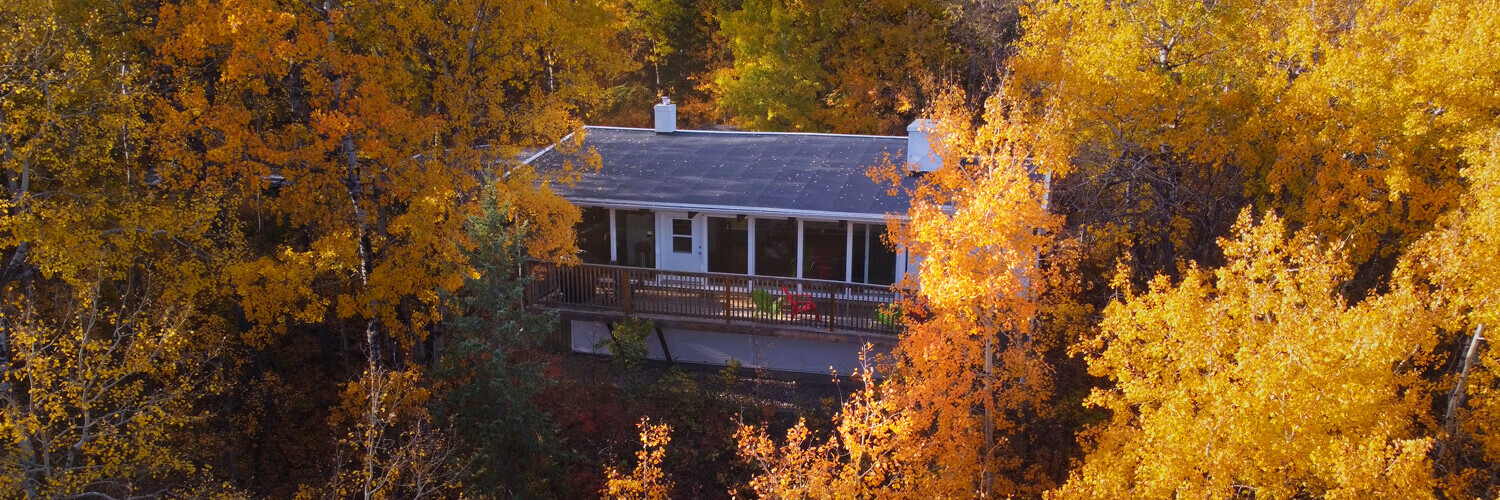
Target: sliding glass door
873, 262
824, 250
728, 245
635, 238
776, 247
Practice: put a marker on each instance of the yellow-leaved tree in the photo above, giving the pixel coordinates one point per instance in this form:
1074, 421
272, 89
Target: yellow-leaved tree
840, 66
646, 481
1460, 261
1349, 117
1259, 379
105, 346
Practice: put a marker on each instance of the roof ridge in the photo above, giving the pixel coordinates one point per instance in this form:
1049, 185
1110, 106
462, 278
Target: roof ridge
747, 132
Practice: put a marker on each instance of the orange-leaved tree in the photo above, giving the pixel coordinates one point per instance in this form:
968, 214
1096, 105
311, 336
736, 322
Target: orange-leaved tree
970, 372
353, 140
356, 138
876, 451
971, 368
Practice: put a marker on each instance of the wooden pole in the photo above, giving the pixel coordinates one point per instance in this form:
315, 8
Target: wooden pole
666, 353
625, 293
832, 307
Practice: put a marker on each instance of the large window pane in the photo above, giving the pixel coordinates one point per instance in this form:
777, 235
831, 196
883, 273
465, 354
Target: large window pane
636, 232
775, 247
874, 262
727, 242
860, 269
882, 270
593, 236
823, 247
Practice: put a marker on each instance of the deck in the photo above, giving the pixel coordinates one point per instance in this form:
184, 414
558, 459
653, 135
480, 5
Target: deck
730, 300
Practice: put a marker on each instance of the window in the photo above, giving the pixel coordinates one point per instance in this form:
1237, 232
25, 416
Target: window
727, 242
824, 247
776, 247
874, 262
593, 236
635, 238
682, 236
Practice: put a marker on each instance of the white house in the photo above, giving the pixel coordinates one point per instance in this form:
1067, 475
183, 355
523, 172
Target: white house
757, 246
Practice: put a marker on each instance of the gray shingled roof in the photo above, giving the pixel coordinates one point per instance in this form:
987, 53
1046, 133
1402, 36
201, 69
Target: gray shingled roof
799, 174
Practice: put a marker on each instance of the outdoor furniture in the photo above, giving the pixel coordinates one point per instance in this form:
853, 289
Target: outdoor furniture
609, 287
744, 301
800, 303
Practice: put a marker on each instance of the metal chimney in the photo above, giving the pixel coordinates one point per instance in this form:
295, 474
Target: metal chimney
919, 147
666, 116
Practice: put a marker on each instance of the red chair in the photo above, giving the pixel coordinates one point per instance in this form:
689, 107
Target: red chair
800, 303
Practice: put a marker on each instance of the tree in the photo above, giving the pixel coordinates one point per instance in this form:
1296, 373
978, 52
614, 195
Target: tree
1259, 379
984, 34
973, 368
829, 66
1180, 113
486, 385
371, 128
653, 25
646, 482
1458, 261
101, 389
106, 333
970, 376
352, 140
392, 449
777, 79
876, 452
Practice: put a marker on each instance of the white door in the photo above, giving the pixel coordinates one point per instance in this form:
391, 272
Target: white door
680, 242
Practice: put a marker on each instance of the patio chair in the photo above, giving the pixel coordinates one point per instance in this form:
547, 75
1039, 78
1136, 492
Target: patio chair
800, 303
609, 288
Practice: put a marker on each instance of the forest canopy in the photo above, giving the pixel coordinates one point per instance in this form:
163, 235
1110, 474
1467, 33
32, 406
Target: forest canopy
271, 249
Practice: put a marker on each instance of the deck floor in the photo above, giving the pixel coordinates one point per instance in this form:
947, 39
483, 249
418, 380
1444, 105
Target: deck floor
832, 312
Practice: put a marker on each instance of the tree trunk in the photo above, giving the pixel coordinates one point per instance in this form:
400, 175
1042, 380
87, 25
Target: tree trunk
1456, 396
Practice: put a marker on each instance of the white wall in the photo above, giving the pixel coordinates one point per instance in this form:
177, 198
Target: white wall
752, 351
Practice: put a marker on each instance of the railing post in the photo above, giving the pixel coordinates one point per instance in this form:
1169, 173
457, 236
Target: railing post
689, 294
529, 272
726, 300
833, 307
625, 293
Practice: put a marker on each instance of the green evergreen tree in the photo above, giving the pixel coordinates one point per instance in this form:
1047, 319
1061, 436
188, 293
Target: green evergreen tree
487, 385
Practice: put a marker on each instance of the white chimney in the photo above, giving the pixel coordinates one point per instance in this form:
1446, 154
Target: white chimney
918, 147
666, 116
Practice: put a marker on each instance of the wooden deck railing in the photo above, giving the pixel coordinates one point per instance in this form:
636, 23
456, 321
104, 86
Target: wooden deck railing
731, 298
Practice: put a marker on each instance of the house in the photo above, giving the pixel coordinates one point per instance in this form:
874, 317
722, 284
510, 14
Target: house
760, 247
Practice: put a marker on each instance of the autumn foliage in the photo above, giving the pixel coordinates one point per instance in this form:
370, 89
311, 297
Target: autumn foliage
1175, 248
1260, 378
1243, 259
877, 451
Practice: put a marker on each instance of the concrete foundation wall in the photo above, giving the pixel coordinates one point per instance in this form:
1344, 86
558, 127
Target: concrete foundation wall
716, 348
